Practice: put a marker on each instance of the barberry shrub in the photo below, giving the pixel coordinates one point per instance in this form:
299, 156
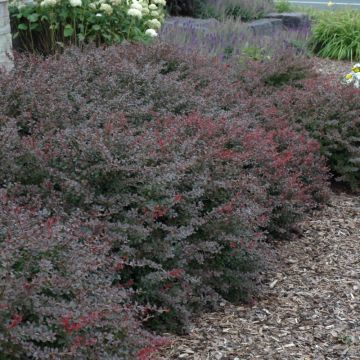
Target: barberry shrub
121, 204
287, 87
330, 112
286, 67
57, 296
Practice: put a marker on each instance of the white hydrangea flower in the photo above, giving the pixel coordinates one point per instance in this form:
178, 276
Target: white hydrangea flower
47, 3
151, 32
106, 8
135, 13
136, 5
98, 15
152, 7
154, 24
145, 11
154, 13
160, 2
116, 2
75, 3
92, 5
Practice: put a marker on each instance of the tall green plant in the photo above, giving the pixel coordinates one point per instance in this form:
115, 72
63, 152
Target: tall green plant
336, 35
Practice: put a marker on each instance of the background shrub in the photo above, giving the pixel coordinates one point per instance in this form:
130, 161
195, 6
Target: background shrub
191, 8
244, 10
166, 211
336, 34
282, 6
48, 26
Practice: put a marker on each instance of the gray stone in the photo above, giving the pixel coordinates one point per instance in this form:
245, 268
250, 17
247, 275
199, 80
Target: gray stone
5, 29
5, 37
291, 20
191, 22
265, 26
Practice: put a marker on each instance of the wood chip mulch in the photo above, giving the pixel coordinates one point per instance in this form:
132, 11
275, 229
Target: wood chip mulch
310, 305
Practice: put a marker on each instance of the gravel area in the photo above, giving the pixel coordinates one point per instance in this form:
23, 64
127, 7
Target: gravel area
309, 308
332, 67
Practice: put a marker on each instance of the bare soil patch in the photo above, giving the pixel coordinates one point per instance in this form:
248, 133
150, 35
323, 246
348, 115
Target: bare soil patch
310, 305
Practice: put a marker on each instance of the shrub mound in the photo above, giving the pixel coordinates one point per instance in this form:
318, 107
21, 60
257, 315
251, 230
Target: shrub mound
287, 87
330, 113
124, 210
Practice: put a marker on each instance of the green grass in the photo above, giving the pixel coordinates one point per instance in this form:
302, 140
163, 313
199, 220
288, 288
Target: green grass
282, 6
336, 34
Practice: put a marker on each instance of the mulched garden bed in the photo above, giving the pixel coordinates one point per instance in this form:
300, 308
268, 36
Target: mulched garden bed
310, 304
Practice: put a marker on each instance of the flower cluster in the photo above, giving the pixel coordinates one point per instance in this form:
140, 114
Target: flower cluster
82, 21
154, 9
354, 76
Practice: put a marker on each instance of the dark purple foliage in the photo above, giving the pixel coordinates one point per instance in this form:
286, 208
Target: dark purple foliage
138, 188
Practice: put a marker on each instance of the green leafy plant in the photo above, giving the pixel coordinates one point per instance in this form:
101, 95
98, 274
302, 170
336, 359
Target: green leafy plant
336, 34
282, 6
254, 52
48, 26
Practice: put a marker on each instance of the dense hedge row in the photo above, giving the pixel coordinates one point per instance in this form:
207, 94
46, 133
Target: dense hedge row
138, 188
165, 210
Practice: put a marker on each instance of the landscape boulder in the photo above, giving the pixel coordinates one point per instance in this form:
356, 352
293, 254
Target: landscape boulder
291, 20
265, 26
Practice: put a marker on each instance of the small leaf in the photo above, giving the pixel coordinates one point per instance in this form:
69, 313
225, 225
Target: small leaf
81, 37
68, 31
22, 26
96, 27
33, 17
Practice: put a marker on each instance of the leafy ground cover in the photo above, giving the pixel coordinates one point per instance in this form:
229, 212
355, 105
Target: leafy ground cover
139, 187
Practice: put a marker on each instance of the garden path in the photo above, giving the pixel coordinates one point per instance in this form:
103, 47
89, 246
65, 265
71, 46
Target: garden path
310, 304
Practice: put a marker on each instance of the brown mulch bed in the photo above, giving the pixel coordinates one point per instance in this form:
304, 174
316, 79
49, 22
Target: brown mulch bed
310, 305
